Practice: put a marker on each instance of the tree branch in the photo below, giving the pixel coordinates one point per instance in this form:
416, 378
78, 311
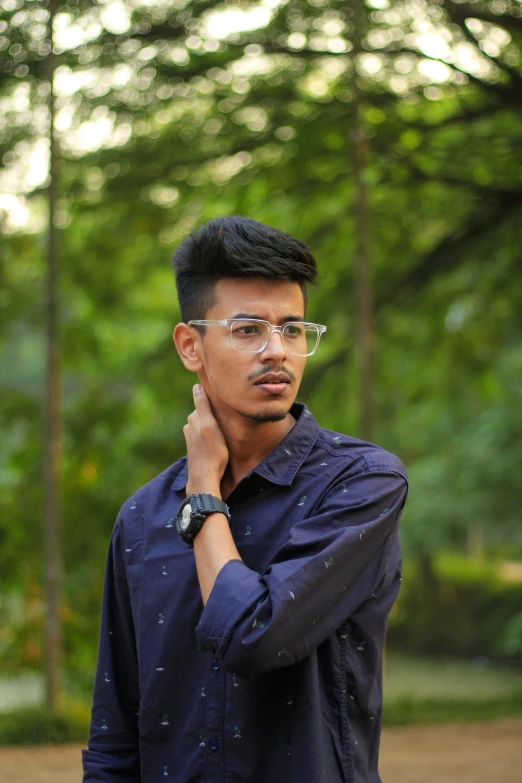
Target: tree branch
459, 13
447, 252
459, 16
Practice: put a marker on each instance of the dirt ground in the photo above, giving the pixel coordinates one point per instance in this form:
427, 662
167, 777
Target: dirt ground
458, 753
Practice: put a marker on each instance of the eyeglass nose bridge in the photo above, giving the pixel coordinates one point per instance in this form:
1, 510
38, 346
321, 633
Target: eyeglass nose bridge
273, 329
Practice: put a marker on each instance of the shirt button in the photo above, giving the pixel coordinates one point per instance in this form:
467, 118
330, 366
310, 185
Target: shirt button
215, 665
212, 743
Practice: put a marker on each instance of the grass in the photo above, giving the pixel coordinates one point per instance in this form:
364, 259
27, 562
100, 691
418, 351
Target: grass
420, 690
440, 679
406, 712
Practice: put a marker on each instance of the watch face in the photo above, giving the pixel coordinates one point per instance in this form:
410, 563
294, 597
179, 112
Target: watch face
185, 517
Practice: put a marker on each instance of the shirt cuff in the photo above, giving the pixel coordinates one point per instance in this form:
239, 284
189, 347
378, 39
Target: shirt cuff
235, 594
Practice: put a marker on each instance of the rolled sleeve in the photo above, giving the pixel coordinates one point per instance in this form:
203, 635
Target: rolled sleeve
237, 588
332, 562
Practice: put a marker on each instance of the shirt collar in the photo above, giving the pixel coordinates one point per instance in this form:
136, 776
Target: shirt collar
281, 465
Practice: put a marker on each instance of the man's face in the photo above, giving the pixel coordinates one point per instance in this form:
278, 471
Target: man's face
231, 378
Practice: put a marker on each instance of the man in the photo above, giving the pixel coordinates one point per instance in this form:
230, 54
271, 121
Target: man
243, 627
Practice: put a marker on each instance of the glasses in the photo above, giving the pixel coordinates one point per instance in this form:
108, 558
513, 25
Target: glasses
252, 335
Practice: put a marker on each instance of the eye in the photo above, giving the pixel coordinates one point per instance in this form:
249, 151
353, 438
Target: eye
293, 330
248, 330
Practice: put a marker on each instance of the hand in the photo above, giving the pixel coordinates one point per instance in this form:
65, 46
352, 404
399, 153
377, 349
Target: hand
207, 452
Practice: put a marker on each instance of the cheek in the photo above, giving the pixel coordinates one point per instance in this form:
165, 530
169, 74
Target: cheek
235, 377
225, 372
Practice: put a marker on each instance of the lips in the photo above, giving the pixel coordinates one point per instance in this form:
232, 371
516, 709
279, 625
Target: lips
273, 378
273, 383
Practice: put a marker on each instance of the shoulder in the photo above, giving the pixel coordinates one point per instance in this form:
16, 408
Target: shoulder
130, 528
146, 500
358, 456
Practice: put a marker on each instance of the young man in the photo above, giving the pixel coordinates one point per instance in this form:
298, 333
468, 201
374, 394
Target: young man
248, 586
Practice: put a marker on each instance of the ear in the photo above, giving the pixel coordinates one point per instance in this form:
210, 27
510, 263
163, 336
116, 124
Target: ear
188, 344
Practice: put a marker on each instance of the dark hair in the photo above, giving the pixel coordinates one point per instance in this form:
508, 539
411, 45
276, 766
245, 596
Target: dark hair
236, 247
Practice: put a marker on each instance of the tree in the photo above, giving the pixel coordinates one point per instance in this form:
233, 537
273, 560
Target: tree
52, 414
258, 124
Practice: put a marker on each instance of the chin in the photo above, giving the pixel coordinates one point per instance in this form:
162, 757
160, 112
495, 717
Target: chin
266, 414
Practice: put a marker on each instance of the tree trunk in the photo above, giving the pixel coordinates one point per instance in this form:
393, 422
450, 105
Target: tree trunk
53, 435
364, 330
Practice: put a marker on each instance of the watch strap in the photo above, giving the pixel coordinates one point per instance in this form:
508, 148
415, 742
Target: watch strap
210, 504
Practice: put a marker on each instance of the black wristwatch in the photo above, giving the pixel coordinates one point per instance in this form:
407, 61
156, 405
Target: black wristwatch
193, 512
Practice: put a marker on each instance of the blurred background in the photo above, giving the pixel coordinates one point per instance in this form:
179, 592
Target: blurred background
385, 134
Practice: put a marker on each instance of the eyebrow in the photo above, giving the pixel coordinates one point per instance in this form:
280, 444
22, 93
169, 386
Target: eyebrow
284, 320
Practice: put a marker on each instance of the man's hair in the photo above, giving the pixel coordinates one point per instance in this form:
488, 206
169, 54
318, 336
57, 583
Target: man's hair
236, 247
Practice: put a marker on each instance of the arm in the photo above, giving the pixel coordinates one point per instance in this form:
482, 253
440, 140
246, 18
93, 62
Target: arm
113, 747
213, 547
207, 459
331, 563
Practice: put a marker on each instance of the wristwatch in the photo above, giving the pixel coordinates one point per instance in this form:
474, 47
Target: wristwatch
193, 512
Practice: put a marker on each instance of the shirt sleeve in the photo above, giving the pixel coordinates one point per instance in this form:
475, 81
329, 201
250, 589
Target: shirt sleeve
113, 747
333, 561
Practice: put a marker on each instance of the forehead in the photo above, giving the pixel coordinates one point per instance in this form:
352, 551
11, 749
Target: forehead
272, 300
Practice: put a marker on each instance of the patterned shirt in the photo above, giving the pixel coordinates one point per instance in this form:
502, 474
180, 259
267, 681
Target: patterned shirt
278, 678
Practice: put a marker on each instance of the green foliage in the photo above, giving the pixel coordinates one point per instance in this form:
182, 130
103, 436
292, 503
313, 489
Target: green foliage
455, 606
36, 726
261, 124
513, 636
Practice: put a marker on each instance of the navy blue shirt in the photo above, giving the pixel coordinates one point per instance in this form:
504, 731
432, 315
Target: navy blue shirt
278, 678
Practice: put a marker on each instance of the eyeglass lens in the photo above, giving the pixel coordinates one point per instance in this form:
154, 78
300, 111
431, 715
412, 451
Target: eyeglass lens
250, 336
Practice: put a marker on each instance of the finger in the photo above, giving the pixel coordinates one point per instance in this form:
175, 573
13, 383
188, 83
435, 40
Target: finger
201, 400
199, 392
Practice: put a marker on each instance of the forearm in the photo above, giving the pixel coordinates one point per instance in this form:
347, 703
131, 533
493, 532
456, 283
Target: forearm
213, 546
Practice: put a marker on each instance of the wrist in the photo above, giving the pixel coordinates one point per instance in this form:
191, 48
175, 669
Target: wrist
203, 487
195, 510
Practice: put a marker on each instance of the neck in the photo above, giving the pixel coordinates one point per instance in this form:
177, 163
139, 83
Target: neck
248, 443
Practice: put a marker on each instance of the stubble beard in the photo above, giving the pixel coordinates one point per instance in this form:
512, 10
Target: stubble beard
266, 415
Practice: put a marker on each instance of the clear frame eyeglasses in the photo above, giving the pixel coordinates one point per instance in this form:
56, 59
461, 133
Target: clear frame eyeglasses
251, 335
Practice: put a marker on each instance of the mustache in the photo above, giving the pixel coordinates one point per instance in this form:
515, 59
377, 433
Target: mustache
267, 370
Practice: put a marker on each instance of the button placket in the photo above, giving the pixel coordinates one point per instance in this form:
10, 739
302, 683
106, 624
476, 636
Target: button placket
214, 722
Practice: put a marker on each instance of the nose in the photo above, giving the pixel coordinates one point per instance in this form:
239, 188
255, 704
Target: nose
274, 350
